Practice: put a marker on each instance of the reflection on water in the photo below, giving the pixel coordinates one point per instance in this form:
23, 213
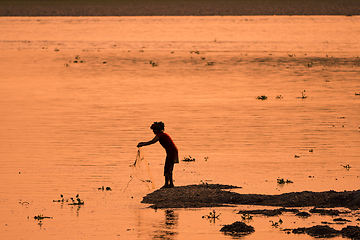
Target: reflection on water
168, 229
69, 127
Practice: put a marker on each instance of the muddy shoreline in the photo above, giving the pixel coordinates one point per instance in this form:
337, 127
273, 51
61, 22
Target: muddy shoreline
217, 195
178, 8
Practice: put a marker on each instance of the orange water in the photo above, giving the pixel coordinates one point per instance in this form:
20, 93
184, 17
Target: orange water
69, 128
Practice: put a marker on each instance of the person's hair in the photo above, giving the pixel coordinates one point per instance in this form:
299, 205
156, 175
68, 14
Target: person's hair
158, 125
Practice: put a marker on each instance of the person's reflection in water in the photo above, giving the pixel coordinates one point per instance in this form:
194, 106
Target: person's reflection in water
171, 218
167, 230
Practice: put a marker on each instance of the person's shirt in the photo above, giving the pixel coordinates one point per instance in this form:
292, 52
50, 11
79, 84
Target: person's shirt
167, 143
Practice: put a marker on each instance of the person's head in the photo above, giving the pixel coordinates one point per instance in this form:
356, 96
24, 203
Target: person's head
158, 127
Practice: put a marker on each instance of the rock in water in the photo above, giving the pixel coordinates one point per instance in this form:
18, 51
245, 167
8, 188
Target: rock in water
237, 229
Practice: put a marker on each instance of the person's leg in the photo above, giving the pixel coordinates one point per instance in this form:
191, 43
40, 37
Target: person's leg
171, 168
166, 174
167, 180
171, 183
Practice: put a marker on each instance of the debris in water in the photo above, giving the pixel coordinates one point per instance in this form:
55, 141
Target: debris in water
212, 216
303, 214
262, 97
282, 181
41, 217
188, 159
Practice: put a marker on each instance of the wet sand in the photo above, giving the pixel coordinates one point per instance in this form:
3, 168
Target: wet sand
216, 195
211, 195
178, 8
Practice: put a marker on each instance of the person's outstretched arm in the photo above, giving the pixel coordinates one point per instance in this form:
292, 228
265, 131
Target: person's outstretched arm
154, 140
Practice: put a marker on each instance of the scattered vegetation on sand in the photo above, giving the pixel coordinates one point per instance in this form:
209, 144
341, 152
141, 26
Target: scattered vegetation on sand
237, 229
188, 159
213, 195
262, 97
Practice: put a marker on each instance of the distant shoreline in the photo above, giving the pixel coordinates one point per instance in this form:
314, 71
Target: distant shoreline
178, 7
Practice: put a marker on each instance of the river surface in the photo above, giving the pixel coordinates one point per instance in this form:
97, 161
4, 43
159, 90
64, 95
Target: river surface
79, 93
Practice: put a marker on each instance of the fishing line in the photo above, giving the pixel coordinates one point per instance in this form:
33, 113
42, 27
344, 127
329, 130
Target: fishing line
141, 170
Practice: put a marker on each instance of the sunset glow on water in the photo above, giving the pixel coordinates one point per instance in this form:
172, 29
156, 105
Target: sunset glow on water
79, 93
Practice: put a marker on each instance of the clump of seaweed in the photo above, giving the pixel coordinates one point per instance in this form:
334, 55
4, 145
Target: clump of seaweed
60, 200
303, 95
72, 201
77, 202
262, 97
78, 59
102, 188
246, 217
196, 52
347, 167
153, 64
282, 181
276, 224
237, 229
188, 159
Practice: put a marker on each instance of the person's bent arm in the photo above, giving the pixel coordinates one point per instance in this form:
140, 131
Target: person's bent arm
154, 140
